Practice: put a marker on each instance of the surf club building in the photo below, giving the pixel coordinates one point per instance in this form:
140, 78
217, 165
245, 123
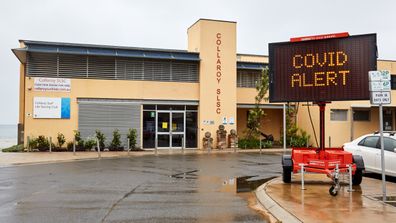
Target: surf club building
171, 97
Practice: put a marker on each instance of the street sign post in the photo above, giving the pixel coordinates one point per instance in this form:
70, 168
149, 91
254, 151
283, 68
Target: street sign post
379, 86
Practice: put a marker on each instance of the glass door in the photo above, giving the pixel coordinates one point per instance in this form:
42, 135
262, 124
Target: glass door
163, 129
177, 131
170, 129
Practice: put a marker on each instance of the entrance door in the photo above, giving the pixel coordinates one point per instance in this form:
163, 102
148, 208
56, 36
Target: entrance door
170, 129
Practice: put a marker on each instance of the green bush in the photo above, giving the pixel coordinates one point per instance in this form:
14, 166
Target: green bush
79, 141
101, 137
69, 146
132, 136
248, 143
61, 139
42, 143
116, 142
14, 149
89, 144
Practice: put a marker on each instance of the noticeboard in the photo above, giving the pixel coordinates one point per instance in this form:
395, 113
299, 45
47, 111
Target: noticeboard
322, 70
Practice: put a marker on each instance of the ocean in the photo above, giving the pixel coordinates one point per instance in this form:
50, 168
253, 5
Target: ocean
8, 135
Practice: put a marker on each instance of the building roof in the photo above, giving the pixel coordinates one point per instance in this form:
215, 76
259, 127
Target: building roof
101, 50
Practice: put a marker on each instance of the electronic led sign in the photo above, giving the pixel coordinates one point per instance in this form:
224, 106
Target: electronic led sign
322, 70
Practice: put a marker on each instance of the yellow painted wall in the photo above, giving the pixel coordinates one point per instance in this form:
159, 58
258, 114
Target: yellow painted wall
116, 89
270, 124
203, 37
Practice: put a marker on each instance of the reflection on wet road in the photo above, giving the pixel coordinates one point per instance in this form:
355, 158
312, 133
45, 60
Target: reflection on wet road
166, 188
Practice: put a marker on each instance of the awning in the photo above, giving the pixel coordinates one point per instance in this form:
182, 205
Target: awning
99, 50
251, 66
267, 106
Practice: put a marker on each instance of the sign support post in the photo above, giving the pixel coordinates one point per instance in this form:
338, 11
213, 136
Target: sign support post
379, 86
382, 153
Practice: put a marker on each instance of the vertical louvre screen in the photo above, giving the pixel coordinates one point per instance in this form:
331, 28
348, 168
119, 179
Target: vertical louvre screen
248, 78
110, 68
109, 116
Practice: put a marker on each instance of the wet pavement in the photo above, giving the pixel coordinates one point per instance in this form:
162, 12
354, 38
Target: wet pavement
314, 204
164, 188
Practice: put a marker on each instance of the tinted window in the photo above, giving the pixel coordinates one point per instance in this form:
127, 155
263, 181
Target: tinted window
371, 141
389, 144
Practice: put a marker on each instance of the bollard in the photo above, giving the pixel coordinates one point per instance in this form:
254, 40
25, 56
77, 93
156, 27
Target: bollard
307, 143
156, 150
50, 144
128, 147
302, 176
330, 141
183, 144
260, 144
350, 178
28, 144
74, 147
97, 143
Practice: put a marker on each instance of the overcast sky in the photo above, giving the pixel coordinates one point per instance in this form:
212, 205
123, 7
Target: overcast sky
163, 24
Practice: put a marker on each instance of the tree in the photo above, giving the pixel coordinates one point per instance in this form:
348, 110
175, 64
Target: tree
256, 113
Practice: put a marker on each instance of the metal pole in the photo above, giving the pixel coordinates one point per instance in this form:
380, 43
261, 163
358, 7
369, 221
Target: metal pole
302, 176
50, 144
350, 177
182, 144
74, 147
28, 144
330, 141
260, 143
382, 153
128, 147
284, 128
97, 144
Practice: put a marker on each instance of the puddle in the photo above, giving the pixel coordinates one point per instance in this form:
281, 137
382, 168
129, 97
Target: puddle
185, 175
391, 200
250, 183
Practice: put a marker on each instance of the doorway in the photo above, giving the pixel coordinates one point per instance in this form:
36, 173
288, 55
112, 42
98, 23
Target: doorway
170, 129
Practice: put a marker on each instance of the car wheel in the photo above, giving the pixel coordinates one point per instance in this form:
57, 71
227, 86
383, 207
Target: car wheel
357, 177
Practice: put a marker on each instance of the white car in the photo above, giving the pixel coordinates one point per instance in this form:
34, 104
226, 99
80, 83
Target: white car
368, 146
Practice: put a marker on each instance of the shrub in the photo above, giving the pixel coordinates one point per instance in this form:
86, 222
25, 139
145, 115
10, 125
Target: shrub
89, 143
42, 143
101, 137
132, 136
61, 140
248, 143
14, 149
79, 141
69, 146
116, 142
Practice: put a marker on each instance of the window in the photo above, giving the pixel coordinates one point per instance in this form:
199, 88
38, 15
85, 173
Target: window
393, 82
361, 115
389, 144
370, 141
338, 115
248, 78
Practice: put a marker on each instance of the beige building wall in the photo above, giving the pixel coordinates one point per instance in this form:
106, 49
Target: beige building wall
270, 124
115, 89
216, 43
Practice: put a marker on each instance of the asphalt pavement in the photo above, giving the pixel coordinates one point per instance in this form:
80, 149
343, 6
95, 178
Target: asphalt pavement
163, 188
